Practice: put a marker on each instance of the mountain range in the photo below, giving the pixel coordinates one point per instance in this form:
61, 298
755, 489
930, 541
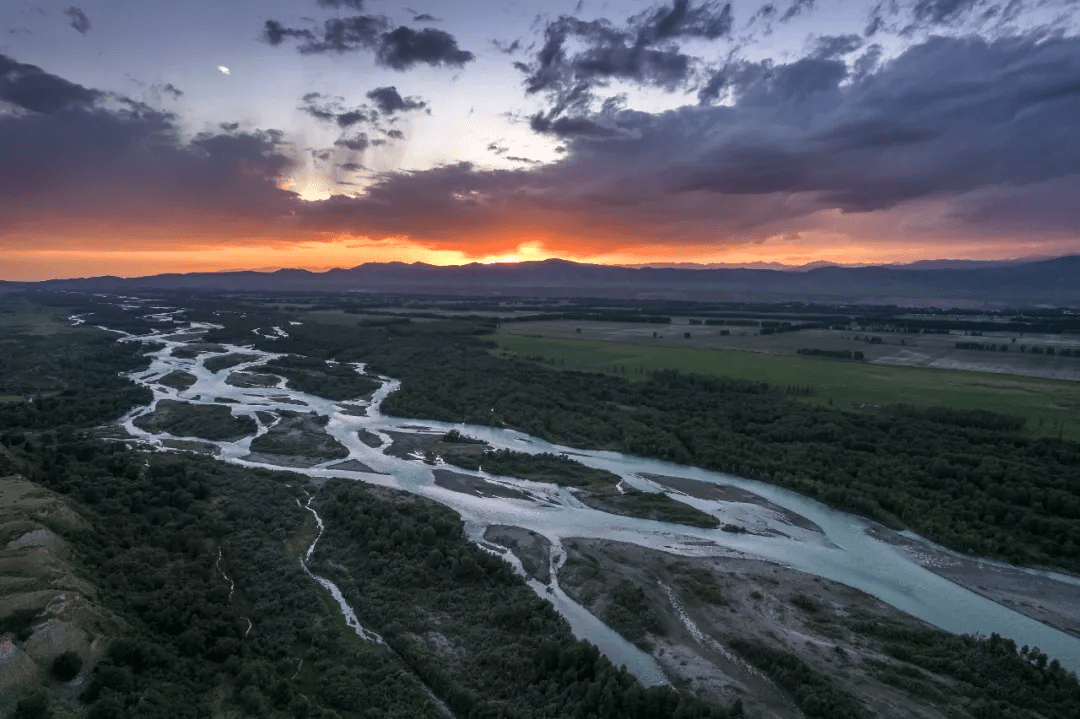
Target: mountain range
1053, 282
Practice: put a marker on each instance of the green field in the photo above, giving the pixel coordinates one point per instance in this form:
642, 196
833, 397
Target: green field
1050, 406
18, 315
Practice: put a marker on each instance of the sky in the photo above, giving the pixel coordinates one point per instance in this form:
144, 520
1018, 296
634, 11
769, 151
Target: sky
144, 137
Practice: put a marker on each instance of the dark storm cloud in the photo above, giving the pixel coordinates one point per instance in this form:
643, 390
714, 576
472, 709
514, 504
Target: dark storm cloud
906, 18
33, 89
331, 110
507, 48
905, 132
830, 47
350, 118
798, 138
993, 137
796, 8
275, 33
78, 18
357, 5
357, 143
567, 127
399, 48
319, 107
347, 34
578, 56
710, 20
78, 155
389, 101
172, 90
939, 12
404, 47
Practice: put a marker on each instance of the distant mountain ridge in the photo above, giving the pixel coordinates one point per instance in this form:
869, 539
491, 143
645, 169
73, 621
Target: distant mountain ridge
1053, 282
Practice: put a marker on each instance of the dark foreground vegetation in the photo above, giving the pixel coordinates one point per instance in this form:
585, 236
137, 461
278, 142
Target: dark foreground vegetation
970, 481
508, 654
198, 562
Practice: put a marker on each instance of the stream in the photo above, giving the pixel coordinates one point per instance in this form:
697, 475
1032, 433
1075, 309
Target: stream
845, 550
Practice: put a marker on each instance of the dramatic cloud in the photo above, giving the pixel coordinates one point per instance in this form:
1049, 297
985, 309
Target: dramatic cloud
389, 101
172, 90
275, 33
643, 52
911, 16
809, 146
399, 48
357, 5
80, 157
799, 139
347, 34
78, 18
830, 47
33, 89
356, 143
331, 110
404, 47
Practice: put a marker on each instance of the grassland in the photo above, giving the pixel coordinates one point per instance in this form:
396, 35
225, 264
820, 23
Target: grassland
18, 315
1050, 406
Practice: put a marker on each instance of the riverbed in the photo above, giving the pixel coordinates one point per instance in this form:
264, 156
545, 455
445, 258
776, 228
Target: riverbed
825, 543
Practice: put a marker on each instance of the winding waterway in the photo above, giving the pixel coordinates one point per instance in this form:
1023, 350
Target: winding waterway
844, 551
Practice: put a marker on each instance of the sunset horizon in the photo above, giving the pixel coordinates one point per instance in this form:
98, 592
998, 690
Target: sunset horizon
328, 133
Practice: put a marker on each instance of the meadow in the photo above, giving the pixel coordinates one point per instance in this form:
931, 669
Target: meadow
1050, 406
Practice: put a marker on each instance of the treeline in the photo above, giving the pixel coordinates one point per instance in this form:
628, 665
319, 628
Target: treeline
984, 491
600, 316
1030, 349
767, 327
836, 354
972, 418
982, 346
67, 378
992, 677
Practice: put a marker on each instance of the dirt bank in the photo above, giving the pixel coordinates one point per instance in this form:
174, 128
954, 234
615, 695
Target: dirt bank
476, 486
691, 611
534, 550
1054, 603
728, 493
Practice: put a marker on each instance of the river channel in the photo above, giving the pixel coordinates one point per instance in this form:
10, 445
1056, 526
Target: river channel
845, 550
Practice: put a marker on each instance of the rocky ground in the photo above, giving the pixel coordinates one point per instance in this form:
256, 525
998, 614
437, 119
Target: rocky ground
698, 607
476, 486
45, 607
1052, 602
532, 549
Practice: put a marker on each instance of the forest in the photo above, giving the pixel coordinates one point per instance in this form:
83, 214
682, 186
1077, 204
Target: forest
199, 562
968, 480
